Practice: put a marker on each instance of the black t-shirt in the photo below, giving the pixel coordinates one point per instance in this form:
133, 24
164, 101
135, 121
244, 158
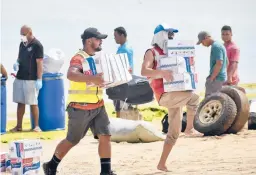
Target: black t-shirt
27, 59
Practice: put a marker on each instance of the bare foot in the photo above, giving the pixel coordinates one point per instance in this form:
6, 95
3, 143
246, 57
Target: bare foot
162, 168
193, 133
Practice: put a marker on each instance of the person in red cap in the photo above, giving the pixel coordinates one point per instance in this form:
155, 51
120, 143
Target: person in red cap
173, 101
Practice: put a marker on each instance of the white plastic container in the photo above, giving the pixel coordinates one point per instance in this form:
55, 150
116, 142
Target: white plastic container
53, 61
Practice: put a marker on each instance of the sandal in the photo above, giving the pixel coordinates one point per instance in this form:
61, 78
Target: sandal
16, 129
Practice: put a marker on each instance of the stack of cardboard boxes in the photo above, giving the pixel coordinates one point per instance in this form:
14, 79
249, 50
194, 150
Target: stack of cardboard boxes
23, 157
180, 61
5, 163
113, 66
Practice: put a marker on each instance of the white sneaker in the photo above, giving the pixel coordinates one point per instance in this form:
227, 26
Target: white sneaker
37, 129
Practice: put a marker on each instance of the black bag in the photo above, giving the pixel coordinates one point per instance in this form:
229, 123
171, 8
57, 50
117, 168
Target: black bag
141, 99
165, 123
137, 91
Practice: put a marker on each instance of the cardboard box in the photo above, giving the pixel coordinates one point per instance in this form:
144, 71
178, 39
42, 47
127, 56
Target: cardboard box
178, 64
184, 48
25, 156
113, 66
115, 69
89, 66
104, 67
124, 57
180, 61
181, 82
100, 64
3, 161
8, 163
25, 148
122, 67
190, 62
25, 166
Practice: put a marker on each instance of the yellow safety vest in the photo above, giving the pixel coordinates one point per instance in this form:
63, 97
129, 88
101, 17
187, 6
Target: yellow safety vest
78, 92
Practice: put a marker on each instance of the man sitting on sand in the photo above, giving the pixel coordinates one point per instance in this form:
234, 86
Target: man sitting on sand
174, 101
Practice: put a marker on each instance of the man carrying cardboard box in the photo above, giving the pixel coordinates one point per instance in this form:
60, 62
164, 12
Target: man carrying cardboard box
218, 63
174, 101
85, 106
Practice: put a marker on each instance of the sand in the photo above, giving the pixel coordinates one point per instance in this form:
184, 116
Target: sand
228, 154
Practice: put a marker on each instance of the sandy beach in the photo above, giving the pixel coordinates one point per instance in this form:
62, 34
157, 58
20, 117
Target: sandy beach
61, 24
227, 154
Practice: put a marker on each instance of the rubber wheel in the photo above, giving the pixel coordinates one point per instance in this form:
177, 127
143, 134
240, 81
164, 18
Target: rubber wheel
242, 105
252, 121
215, 114
239, 88
165, 123
184, 122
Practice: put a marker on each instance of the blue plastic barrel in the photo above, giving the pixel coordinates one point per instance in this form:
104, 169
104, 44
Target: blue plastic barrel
3, 105
51, 103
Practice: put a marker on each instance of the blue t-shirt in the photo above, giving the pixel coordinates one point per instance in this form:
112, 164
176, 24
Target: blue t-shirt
218, 52
125, 48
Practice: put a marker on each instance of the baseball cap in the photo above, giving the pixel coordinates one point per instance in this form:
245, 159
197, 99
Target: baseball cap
201, 36
162, 27
93, 33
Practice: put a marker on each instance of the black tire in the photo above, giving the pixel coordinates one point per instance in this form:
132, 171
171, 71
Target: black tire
252, 121
239, 88
215, 114
242, 105
184, 122
165, 123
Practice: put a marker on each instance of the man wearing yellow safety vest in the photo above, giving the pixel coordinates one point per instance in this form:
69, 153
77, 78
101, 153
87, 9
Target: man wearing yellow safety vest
85, 106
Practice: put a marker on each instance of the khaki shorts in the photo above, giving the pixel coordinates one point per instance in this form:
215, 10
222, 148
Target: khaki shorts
81, 120
175, 101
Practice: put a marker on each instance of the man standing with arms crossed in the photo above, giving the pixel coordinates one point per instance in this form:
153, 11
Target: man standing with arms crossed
85, 106
233, 54
218, 63
28, 80
120, 35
